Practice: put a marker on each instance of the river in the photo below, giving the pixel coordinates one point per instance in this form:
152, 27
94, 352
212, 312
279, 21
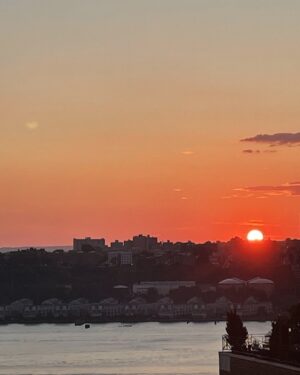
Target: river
143, 348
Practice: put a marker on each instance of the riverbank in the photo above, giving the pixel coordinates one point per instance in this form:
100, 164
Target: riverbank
124, 319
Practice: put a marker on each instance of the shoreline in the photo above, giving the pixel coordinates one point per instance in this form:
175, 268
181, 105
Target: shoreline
80, 322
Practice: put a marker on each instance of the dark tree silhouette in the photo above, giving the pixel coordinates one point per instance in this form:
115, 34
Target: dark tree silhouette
236, 332
279, 338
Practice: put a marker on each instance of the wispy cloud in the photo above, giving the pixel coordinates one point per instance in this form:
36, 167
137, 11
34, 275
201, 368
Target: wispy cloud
277, 139
249, 223
32, 125
250, 151
290, 189
187, 152
254, 223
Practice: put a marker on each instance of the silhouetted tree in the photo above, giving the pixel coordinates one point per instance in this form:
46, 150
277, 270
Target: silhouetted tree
279, 338
236, 332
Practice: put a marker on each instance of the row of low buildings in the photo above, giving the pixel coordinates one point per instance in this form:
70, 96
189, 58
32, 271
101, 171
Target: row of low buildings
111, 310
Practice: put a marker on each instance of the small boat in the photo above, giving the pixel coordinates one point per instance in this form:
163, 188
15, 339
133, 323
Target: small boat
79, 322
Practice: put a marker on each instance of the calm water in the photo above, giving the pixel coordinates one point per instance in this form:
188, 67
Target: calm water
145, 348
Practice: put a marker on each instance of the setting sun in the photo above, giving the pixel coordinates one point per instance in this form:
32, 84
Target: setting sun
255, 235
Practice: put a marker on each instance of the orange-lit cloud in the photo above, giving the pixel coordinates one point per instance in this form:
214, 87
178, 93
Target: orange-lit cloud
288, 189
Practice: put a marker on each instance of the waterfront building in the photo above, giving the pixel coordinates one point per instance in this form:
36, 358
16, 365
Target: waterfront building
95, 310
48, 307
78, 307
17, 307
222, 306
232, 283
165, 307
252, 308
138, 307
261, 284
197, 307
111, 308
30, 312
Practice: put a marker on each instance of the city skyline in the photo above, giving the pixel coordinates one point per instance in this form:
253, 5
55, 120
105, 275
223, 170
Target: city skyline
179, 119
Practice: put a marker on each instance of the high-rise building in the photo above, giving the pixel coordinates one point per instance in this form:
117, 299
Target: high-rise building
144, 243
88, 244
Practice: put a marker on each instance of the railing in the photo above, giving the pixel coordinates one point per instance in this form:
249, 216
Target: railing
253, 343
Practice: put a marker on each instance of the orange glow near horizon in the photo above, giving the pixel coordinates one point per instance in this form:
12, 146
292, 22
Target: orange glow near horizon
113, 123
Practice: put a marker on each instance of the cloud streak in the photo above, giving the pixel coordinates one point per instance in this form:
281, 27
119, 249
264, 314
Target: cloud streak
290, 189
277, 139
250, 151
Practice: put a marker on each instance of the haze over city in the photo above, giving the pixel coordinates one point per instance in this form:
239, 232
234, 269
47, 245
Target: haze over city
120, 118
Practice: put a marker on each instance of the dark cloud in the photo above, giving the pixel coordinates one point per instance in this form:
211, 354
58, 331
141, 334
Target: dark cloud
250, 151
278, 139
289, 189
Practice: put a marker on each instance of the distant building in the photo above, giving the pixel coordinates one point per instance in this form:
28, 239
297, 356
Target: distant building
119, 257
88, 244
252, 307
261, 284
233, 283
163, 288
117, 245
222, 306
144, 243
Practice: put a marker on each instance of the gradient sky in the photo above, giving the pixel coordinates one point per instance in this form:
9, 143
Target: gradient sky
125, 117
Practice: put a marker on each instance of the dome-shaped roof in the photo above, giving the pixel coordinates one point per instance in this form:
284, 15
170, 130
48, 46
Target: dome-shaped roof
22, 301
250, 301
260, 280
232, 281
223, 300
120, 287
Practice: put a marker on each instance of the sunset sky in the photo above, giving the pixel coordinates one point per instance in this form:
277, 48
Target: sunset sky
180, 119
